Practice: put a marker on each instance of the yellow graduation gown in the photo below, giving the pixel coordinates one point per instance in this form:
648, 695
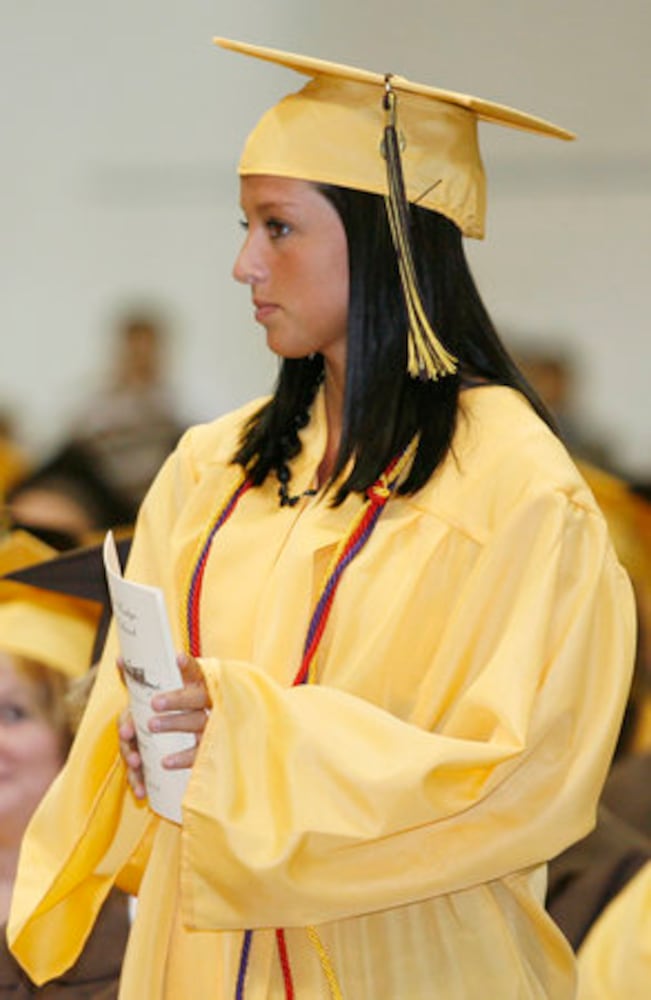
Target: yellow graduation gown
472, 679
615, 958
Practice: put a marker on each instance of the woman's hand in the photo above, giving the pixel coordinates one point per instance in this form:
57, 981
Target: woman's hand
184, 710
130, 754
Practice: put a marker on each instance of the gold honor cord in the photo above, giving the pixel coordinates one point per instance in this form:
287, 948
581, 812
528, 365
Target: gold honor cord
326, 964
427, 358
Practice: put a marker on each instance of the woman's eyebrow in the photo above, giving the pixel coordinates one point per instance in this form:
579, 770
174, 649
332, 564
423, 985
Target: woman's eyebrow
274, 205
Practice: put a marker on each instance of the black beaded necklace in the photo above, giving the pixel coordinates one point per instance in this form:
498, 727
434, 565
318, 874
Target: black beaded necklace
290, 446
285, 499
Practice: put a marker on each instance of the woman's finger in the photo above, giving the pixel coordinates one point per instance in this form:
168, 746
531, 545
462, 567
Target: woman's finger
184, 758
126, 726
137, 783
183, 722
128, 744
194, 694
188, 699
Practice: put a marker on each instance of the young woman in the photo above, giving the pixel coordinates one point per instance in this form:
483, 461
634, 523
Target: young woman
406, 639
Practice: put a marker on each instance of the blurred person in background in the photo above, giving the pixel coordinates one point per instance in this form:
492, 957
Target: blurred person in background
46, 644
15, 462
553, 372
66, 501
130, 424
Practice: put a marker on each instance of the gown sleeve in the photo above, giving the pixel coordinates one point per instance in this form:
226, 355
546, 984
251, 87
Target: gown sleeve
316, 804
88, 832
615, 958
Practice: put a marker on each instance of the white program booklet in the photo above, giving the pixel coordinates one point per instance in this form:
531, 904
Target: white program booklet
146, 646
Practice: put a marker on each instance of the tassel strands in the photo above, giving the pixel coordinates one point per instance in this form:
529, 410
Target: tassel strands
427, 358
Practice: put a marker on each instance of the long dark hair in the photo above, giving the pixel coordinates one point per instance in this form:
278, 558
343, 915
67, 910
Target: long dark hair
384, 408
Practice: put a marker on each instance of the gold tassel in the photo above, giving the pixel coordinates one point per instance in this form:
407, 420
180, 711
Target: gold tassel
427, 358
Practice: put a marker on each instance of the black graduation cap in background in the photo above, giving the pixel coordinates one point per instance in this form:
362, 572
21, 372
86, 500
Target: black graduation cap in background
77, 573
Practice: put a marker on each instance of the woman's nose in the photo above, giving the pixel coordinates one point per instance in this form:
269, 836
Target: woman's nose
248, 267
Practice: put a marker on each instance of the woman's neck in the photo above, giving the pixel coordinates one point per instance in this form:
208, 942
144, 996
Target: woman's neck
8, 867
334, 407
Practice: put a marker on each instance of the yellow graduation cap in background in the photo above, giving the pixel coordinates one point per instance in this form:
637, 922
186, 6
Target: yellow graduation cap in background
56, 629
390, 136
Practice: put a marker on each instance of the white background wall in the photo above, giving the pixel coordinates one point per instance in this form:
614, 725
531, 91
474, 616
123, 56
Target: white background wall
120, 129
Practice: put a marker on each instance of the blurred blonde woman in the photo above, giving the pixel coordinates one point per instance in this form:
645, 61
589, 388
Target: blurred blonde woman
46, 641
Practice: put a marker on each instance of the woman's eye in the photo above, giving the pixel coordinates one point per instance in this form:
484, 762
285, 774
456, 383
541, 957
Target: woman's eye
276, 228
11, 713
244, 225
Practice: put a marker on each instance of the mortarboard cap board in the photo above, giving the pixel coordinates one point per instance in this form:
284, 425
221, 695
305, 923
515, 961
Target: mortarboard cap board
54, 607
77, 573
331, 131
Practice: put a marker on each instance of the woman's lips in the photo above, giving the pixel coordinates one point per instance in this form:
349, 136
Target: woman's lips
263, 310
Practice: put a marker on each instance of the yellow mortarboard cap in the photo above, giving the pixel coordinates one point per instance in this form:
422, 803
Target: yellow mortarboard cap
56, 628
331, 132
19, 549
